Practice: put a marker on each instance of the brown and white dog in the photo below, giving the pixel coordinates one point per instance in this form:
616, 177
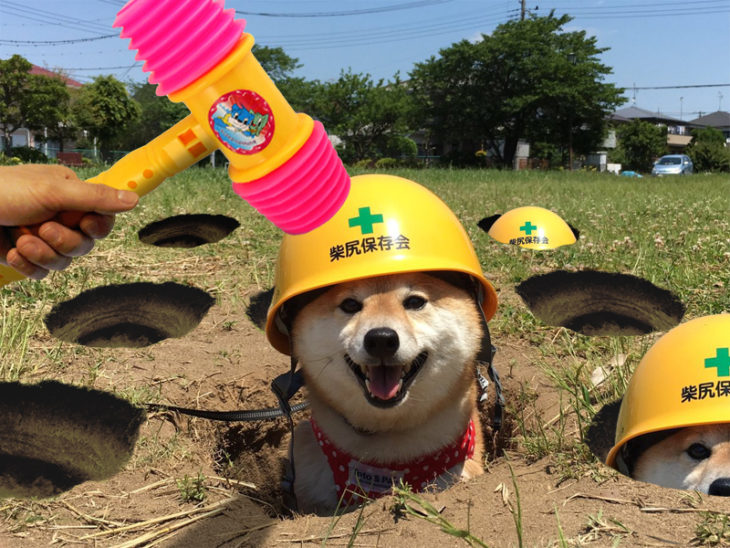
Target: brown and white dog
694, 458
389, 367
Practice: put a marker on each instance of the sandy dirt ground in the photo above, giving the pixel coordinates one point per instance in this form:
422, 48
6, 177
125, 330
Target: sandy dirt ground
225, 363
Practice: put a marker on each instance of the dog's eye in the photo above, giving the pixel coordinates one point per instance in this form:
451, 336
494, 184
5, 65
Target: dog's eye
698, 451
350, 306
414, 302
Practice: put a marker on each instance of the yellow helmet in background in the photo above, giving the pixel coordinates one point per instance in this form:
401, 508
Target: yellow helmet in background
683, 380
532, 227
387, 225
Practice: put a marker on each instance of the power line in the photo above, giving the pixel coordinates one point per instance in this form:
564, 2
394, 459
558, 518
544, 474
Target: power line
56, 42
649, 14
384, 35
365, 11
678, 87
99, 68
651, 9
43, 16
632, 5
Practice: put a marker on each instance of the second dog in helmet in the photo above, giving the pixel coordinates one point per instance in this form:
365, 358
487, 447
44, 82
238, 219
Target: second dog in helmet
383, 307
673, 427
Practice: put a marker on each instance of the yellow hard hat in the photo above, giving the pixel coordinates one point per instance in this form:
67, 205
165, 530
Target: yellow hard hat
532, 227
683, 380
387, 225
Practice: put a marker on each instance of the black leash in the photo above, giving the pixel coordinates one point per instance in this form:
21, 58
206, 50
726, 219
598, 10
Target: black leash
284, 386
230, 416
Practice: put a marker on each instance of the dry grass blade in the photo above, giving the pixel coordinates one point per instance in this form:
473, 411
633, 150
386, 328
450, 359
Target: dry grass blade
597, 497
659, 510
504, 491
92, 519
229, 481
155, 485
335, 536
145, 539
216, 507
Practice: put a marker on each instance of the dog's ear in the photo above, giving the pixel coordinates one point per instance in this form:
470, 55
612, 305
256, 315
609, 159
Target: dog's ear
293, 306
457, 279
633, 449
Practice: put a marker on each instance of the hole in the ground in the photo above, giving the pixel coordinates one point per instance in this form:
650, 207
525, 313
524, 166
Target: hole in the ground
258, 306
55, 436
187, 231
675, 458
601, 303
129, 315
486, 223
601, 432
257, 452
497, 440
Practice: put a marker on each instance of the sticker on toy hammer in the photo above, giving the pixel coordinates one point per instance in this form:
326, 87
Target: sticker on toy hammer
242, 120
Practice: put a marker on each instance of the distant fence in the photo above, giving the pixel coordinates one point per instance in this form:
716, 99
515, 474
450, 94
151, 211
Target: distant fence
110, 156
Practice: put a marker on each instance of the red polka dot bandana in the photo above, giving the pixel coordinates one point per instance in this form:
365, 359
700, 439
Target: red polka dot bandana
357, 478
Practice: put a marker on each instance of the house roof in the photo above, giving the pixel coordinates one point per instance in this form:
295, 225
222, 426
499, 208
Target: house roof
719, 119
70, 82
632, 112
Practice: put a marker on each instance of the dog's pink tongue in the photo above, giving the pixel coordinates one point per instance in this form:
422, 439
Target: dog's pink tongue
384, 381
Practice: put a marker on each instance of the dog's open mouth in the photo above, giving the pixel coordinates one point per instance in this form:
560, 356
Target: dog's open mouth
386, 385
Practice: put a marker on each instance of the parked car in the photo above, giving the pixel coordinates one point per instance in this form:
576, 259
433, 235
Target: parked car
673, 164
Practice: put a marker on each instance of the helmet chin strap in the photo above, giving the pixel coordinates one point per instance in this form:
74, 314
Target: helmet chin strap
284, 387
486, 357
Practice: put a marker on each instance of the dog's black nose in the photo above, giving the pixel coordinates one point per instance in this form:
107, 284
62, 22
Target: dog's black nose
720, 487
381, 342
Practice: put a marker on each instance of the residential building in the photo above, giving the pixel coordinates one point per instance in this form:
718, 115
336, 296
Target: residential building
678, 131
719, 120
23, 137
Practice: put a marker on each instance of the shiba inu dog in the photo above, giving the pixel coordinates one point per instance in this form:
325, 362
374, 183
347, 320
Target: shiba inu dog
694, 458
388, 362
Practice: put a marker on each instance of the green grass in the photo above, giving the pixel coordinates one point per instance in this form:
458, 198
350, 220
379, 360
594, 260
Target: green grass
18, 324
192, 489
713, 529
408, 503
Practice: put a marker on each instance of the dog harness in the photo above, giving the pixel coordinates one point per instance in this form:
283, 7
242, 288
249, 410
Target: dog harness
356, 479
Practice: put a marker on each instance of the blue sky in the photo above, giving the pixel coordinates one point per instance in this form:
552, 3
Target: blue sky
652, 43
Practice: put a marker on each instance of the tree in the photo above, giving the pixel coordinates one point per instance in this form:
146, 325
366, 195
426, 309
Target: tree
277, 64
370, 117
447, 95
527, 80
301, 94
640, 143
157, 114
30, 100
105, 109
708, 150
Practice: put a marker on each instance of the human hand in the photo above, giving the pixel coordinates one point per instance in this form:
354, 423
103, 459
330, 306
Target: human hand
60, 216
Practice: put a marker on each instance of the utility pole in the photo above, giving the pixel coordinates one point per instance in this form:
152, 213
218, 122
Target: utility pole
522, 10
